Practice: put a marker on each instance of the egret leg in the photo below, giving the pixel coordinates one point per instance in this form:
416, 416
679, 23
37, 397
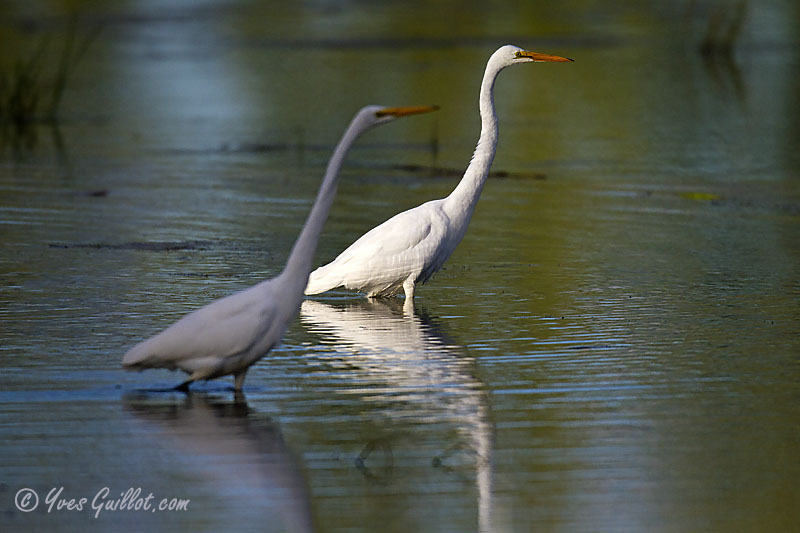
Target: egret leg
239, 399
238, 381
408, 287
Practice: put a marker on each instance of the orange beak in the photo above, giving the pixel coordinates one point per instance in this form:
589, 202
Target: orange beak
535, 56
406, 110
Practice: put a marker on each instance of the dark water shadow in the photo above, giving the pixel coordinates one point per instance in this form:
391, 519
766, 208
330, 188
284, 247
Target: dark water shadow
234, 447
161, 246
434, 171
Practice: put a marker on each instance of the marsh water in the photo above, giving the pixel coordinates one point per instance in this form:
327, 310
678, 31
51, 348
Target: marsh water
615, 345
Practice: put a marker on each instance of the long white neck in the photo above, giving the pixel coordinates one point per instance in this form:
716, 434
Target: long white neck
301, 257
461, 202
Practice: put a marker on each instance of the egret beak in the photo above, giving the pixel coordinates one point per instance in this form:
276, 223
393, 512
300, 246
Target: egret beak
539, 58
405, 110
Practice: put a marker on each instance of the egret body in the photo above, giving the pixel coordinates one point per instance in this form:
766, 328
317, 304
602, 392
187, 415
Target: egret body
411, 246
230, 334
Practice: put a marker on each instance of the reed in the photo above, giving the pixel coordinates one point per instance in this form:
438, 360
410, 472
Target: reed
31, 90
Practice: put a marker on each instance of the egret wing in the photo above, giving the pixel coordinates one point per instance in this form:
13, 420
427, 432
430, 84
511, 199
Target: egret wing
226, 327
389, 253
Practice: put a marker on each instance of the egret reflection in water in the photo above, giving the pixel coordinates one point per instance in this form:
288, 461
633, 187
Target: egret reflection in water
403, 365
243, 457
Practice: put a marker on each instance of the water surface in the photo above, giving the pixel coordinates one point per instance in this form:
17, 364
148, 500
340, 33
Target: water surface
613, 346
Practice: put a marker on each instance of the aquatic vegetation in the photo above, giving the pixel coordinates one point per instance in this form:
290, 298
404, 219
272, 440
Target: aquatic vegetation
31, 90
724, 28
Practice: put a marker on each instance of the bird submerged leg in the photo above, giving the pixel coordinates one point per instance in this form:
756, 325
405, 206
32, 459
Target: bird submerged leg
239, 399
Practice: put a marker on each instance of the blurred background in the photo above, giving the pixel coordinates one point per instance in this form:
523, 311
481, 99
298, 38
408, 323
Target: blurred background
613, 347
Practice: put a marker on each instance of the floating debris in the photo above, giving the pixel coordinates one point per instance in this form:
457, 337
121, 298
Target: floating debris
147, 246
700, 196
448, 172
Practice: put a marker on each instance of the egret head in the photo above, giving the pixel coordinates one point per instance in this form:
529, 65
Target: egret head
511, 55
378, 114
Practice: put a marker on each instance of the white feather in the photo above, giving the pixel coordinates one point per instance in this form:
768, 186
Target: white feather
228, 335
413, 245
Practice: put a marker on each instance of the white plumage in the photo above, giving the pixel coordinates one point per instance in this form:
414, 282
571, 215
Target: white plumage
386, 257
411, 246
230, 334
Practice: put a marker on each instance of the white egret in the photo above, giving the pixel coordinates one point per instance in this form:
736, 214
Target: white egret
230, 334
411, 246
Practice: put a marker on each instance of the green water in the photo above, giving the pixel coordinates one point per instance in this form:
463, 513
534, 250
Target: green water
613, 347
